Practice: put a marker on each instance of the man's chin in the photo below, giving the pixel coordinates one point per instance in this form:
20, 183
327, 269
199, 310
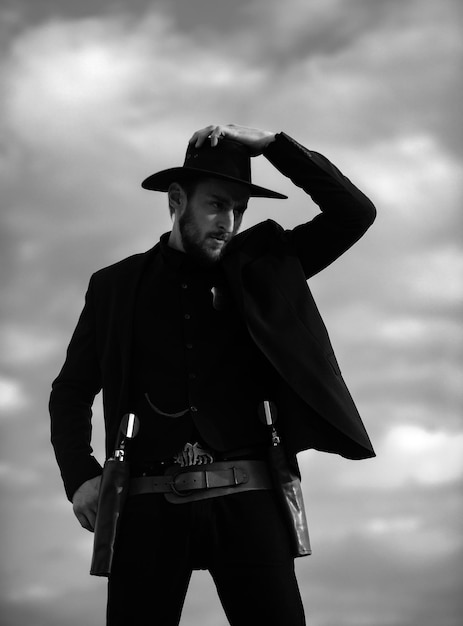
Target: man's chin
205, 254
211, 256
213, 249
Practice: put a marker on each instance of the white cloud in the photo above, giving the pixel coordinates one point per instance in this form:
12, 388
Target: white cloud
375, 71
88, 81
65, 73
16, 476
26, 345
409, 330
410, 455
12, 395
369, 322
412, 175
34, 592
413, 536
437, 276
82, 548
392, 525
286, 22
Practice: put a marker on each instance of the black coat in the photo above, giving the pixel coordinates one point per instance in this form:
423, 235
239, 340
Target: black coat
267, 268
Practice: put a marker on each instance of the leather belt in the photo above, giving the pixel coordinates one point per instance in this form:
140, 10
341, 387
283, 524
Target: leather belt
210, 480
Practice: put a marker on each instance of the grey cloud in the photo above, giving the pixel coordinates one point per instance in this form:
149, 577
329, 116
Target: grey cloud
73, 204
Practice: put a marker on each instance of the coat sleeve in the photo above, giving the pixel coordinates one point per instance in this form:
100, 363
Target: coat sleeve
71, 400
346, 213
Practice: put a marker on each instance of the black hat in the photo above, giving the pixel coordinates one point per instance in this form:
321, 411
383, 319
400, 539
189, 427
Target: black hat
229, 160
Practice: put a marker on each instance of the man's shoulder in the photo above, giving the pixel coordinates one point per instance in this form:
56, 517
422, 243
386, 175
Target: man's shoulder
258, 235
264, 238
125, 266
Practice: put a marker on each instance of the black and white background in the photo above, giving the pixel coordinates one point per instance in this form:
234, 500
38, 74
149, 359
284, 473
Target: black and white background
97, 94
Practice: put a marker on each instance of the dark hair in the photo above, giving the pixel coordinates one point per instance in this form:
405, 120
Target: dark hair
188, 182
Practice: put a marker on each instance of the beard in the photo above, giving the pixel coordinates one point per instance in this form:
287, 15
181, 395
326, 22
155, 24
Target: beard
207, 248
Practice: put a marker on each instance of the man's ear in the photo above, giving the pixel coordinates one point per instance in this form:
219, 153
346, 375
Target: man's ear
177, 198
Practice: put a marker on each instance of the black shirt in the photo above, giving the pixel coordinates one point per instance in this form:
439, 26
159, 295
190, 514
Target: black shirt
196, 373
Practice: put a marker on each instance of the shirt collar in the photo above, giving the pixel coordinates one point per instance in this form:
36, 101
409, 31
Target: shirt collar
172, 256
183, 262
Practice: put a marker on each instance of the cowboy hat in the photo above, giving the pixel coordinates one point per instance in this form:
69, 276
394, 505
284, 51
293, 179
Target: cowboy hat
230, 160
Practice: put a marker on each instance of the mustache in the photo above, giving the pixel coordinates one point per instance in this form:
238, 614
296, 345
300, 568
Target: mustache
221, 235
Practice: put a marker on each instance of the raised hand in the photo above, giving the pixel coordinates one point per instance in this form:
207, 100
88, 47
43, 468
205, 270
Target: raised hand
255, 139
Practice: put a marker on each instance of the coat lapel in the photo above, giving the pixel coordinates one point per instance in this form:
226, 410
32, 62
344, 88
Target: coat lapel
127, 297
285, 324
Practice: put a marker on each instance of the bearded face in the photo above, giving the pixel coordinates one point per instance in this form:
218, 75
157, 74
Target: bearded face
211, 218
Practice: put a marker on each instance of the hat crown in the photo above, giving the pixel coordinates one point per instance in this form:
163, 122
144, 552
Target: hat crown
229, 158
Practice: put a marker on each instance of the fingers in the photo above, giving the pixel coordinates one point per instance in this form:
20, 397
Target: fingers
200, 136
212, 132
85, 503
216, 134
86, 519
255, 139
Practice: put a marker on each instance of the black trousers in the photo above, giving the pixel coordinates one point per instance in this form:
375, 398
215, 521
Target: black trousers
240, 538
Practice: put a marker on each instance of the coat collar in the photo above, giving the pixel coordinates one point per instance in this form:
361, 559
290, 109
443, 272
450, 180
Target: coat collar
235, 259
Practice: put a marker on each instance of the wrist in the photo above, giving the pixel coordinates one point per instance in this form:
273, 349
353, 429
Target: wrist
268, 139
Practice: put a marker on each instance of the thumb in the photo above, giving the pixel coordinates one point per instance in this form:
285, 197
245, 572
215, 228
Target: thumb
87, 521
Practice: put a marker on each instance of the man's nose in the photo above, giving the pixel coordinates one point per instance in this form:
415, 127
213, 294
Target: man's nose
227, 220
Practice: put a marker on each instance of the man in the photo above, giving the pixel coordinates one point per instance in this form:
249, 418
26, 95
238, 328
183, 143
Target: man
192, 336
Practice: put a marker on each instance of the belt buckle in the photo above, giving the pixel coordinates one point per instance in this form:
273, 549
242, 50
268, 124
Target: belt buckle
181, 494
186, 492
193, 454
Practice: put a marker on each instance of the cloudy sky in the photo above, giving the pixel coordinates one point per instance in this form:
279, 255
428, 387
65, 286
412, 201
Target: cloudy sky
97, 94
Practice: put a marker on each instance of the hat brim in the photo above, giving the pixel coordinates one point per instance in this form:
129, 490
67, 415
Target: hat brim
162, 180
